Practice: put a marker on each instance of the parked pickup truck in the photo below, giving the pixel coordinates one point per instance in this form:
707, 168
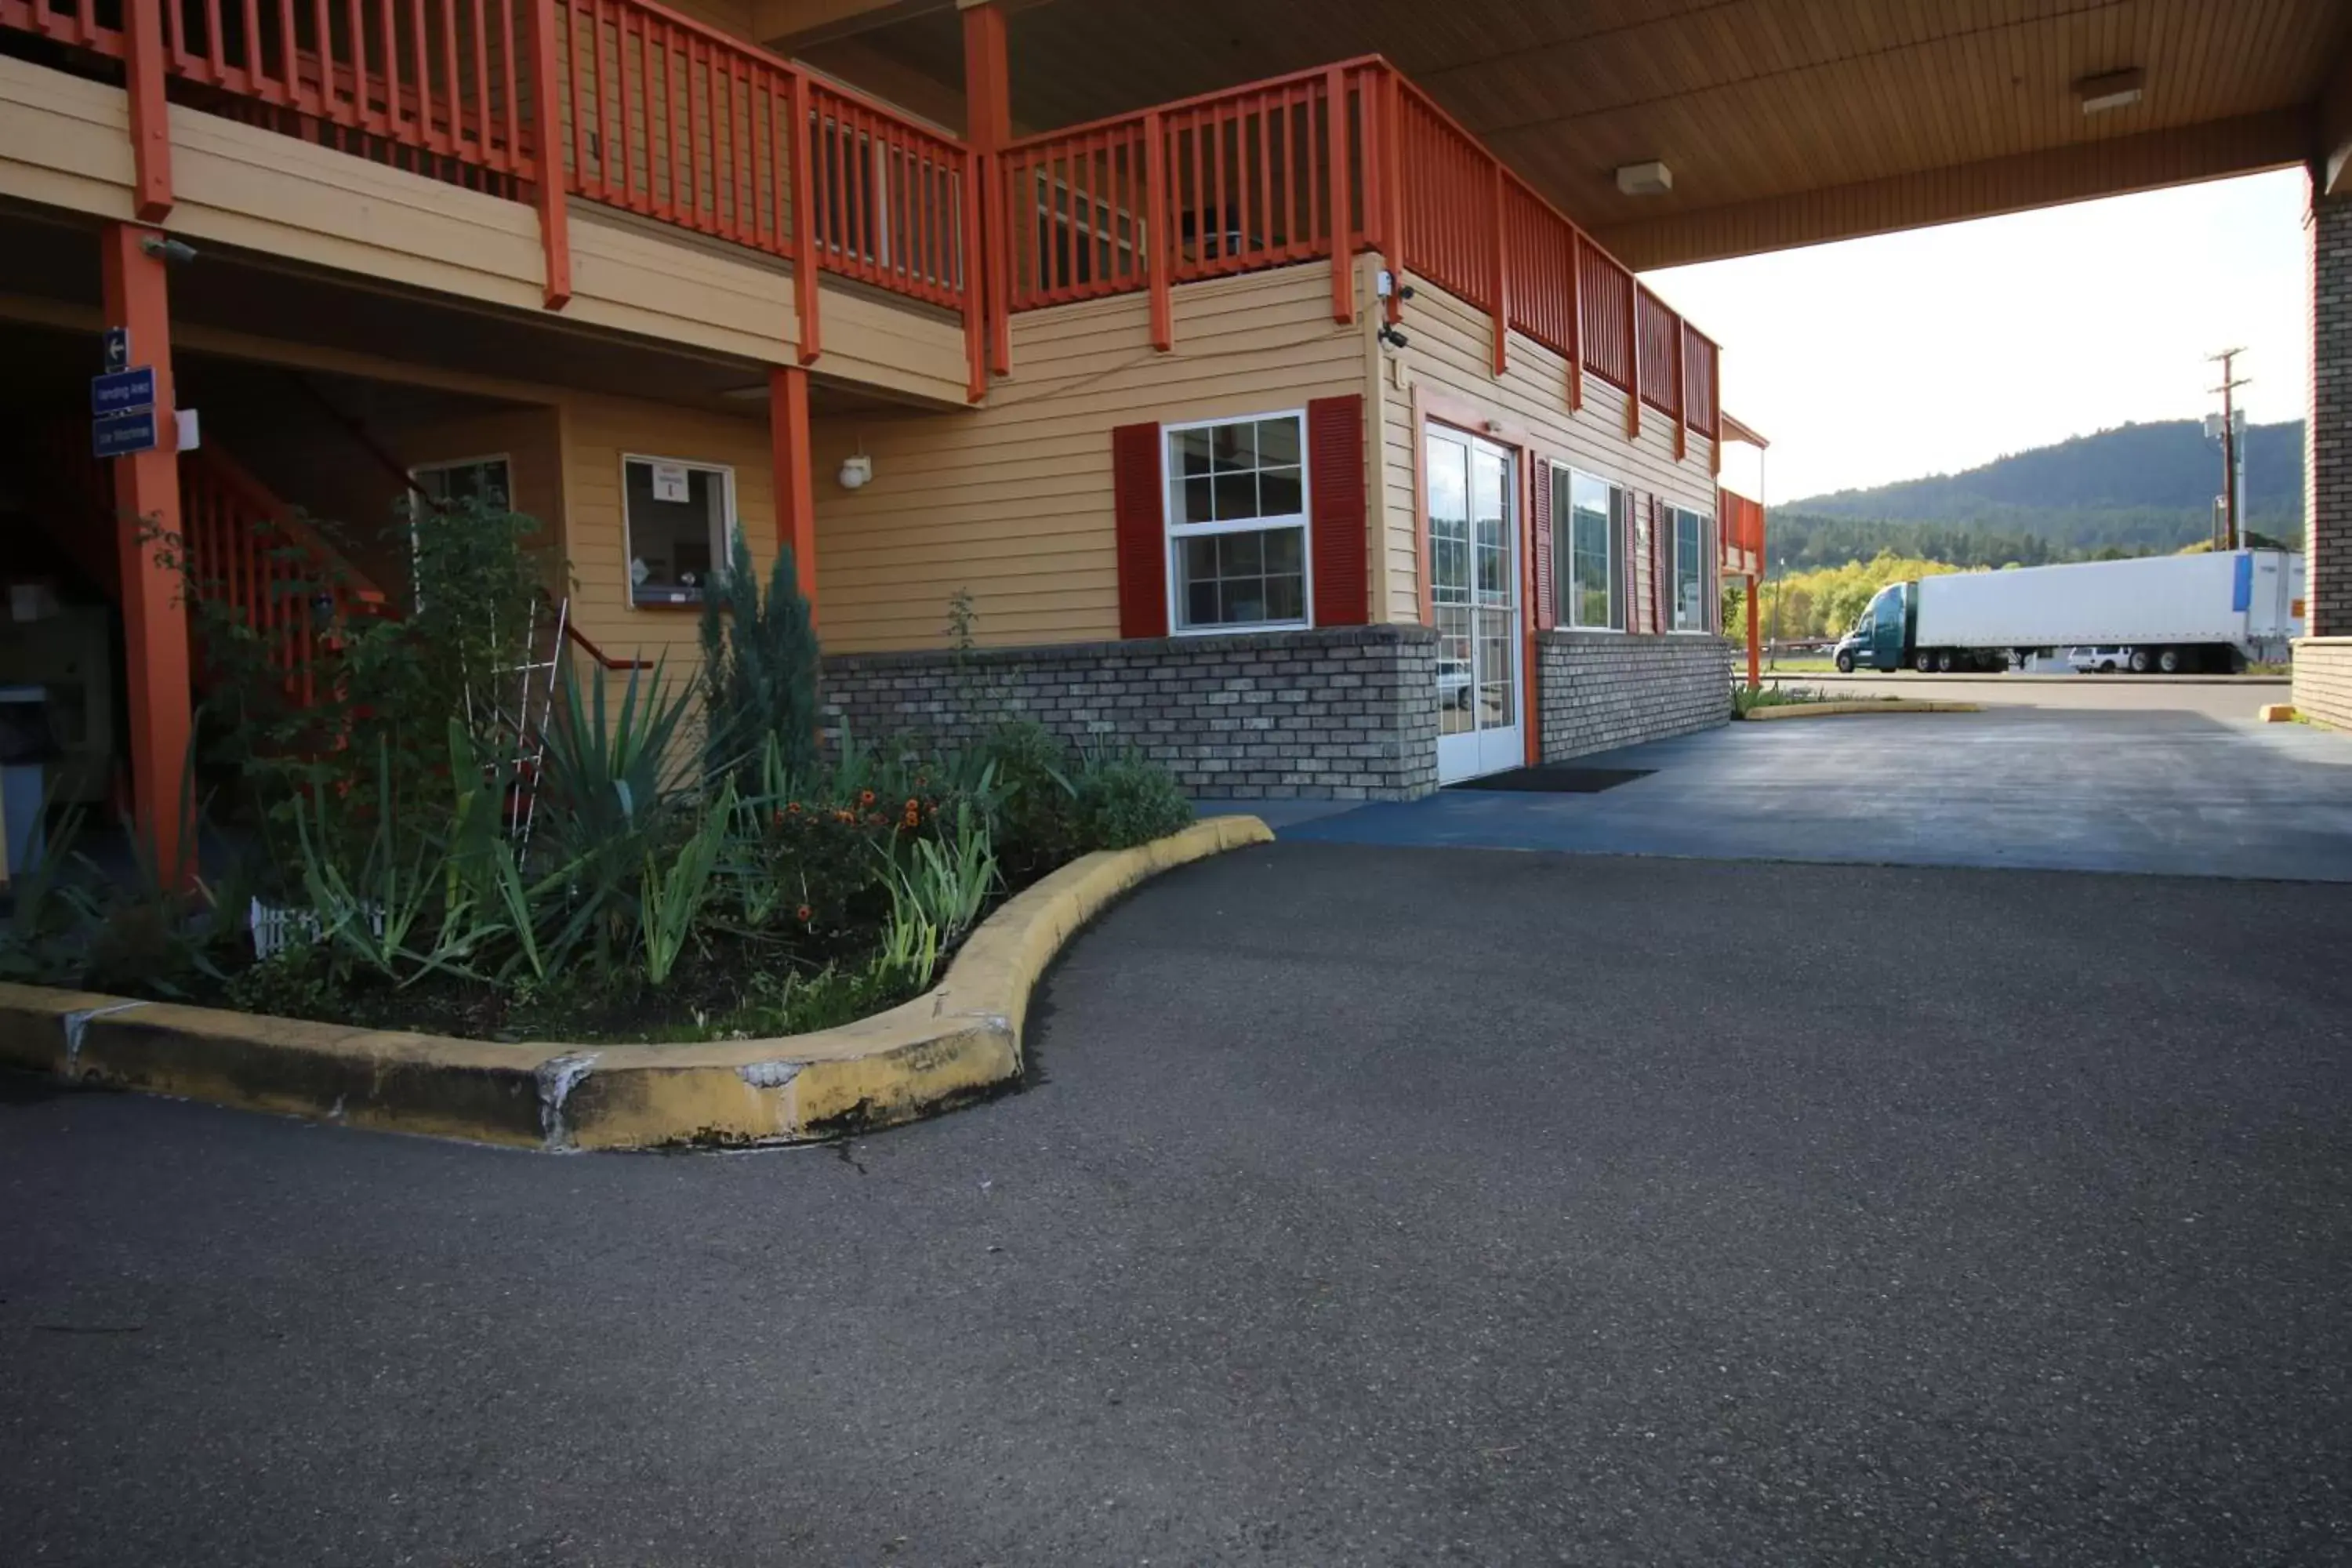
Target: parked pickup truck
2171, 614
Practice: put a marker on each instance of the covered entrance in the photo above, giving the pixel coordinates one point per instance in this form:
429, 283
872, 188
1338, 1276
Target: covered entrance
1473, 576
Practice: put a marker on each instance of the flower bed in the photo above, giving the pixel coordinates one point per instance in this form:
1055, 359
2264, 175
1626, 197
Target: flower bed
664, 862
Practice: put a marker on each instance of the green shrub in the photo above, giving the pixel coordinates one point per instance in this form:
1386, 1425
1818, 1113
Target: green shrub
760, 669
1035, 825
1125, 799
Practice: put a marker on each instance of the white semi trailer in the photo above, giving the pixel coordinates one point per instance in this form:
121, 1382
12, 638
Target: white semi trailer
2170, 613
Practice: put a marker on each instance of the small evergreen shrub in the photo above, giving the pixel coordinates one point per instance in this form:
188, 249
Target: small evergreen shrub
1125, 799
760, 670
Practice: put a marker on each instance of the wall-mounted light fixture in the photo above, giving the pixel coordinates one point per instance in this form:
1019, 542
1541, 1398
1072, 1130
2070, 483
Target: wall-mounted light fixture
1650, 179
2113, 89
856, 472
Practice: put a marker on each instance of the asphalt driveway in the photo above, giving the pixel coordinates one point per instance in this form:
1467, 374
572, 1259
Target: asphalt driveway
2170, 791
1373, 1206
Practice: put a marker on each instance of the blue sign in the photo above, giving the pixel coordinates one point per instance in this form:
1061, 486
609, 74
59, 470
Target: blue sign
122, 433
118, 347
2241, 588
121, 389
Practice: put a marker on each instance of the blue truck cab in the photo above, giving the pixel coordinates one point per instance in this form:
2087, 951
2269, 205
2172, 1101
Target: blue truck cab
1882, 634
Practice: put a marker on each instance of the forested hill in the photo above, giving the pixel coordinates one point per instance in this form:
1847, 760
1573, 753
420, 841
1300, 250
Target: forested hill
2137, 489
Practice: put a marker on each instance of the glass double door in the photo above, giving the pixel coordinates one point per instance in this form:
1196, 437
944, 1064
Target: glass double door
1474, 597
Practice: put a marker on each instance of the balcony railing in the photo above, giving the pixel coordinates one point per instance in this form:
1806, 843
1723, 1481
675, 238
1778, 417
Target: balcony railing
1269, 174
642, 108
1739, 528
653, 114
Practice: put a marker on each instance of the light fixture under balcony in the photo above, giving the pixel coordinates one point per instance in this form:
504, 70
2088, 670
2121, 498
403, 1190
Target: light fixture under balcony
2113, 89
1650, 179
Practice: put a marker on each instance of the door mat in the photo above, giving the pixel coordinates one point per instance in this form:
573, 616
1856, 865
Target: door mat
1556, 780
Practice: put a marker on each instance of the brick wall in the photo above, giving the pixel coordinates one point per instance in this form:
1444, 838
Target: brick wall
2327, 432
1599, 690
1344, 712
2323, 679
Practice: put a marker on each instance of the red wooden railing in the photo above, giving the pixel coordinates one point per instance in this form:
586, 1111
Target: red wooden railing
1227, 182
1739, 530
1242, 179
252, 553
650, 112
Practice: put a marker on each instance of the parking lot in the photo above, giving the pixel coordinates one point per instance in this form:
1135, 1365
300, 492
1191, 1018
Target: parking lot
2083, 774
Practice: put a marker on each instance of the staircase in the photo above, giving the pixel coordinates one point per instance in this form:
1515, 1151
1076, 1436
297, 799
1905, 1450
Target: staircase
243, 548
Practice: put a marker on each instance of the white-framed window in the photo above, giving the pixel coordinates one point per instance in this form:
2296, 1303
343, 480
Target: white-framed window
1237, 506
489, 480
678, 524
1694, 573
1588, 521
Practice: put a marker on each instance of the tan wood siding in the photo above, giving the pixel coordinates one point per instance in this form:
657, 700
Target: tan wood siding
1013, 502
1451, 356
597, 432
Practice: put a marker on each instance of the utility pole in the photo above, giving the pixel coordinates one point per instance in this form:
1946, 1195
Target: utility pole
2227, 358
1781, 591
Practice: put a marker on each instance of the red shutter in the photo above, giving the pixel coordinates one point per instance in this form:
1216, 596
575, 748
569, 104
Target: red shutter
1140, 506
1662, 568
1542, 551
1335, 476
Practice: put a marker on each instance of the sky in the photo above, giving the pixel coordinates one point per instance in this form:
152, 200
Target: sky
1905, 354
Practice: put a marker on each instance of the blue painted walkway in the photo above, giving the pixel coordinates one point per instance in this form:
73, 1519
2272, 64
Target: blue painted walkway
2155, 791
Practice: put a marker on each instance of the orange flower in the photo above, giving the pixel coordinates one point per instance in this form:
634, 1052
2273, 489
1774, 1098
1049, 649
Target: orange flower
794, 808
804, 914
866, 797
845, 814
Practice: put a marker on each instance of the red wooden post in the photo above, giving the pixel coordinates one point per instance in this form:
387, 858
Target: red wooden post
1501, 277
1633, 366
1682, 377
154, 611
794, 473
151, 127
1343, 253
1392, 186
968, 254
1575, 321
804, 220
547, 150
1155, 230
988, 126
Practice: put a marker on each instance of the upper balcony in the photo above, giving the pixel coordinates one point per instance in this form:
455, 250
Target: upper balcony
1245, 178
623, 107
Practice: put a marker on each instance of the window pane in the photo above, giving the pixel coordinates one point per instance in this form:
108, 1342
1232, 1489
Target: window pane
1277, 442
1199, 500
1285, 548
1280, 493
1190, 449
1236, 496
1232, 446
674, 545
1246, 578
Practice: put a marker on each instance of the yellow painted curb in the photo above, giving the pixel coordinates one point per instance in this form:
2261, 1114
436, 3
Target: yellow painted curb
956, 1040
2276, 713
1830, 710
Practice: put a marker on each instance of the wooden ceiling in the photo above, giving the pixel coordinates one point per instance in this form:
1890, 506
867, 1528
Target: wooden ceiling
1784, 122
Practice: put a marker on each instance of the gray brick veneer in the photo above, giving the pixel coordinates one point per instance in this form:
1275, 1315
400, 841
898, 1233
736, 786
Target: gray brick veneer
1344, 712
1599, 690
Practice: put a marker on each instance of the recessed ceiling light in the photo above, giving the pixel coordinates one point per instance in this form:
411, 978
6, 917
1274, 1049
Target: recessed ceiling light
2115, 90
1650, 179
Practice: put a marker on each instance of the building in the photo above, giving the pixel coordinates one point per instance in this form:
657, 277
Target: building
1243, 401
1137, 396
